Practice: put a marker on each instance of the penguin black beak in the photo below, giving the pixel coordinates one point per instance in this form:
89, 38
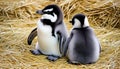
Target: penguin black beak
70, 21
39, 12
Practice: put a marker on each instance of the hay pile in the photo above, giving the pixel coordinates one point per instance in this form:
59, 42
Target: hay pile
100, 13
104, 17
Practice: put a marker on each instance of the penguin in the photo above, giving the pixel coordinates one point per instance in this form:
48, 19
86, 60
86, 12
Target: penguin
51, 32
82, 45
32, 35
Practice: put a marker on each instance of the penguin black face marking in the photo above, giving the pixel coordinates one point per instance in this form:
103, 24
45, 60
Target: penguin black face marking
51, 13
79, 21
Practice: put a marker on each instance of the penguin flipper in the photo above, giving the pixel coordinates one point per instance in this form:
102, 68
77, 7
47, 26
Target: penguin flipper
61, 40
52, 57
36, 52
65, 47
31, 36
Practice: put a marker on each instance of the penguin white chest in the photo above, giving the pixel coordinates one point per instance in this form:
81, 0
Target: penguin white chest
48, 43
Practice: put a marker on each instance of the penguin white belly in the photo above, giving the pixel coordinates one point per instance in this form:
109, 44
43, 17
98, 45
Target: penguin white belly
48, 43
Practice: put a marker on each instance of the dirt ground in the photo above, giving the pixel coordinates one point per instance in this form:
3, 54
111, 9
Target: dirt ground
14, 50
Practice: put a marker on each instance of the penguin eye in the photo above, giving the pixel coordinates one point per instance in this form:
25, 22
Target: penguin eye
47, 12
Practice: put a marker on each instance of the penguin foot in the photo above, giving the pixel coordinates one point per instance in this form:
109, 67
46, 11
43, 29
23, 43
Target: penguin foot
91, 62
70, 62
53, 58
35, 52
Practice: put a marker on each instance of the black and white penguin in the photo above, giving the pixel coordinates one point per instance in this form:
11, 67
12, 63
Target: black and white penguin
82, 46
51, 33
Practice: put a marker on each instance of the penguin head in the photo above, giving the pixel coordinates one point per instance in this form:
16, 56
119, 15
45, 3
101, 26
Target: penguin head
51, 13
79, 21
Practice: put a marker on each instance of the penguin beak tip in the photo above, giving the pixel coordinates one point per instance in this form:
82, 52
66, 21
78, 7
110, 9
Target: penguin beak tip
39, 12
70, 21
